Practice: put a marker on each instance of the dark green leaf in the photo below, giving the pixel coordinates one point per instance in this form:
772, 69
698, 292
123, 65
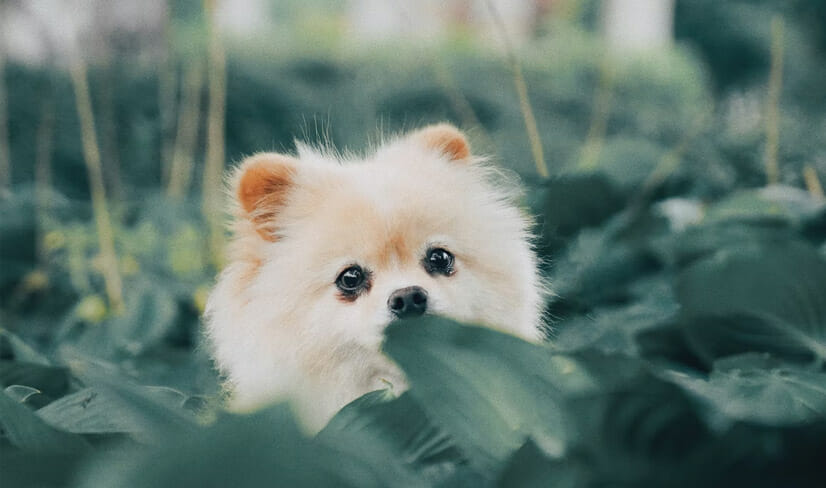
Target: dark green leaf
530, 467
398, 428
782, 286
517, 396
264, 449
145, 411
755, 388
27, 431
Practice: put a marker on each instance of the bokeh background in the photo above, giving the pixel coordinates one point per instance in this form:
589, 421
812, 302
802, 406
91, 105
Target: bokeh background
652, 137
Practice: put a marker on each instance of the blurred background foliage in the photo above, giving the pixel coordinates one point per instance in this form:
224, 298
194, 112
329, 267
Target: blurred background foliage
682, 228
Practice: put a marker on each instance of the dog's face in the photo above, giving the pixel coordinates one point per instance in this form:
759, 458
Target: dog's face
327, 254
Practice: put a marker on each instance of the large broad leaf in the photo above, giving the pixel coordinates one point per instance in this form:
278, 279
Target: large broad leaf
613, 329
782, 286
569, 203
35, 469
23, 429
597, 266
264, 449
530, 467
151, 414
756, 388
637, 432
92, 411
489, 391
681, 249
396, 427
779, 203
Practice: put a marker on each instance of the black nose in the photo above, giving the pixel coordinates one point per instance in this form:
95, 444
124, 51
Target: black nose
408, 302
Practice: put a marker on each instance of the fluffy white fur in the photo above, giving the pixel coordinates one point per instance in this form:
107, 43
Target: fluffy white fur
276, 321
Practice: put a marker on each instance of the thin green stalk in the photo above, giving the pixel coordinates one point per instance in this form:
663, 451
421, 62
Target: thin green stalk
108, 128
592, 147
5, 157
91, 152
667, 164
167, 101
215, 150
42, 169
813, 185
460, 103
183, 155
456, 98
773, 102
522, 93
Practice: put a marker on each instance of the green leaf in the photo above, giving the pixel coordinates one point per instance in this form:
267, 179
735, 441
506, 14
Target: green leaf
264, 449
90, 411
466, 377
530, 467
783, 287
398, 428
35, 469
612, 329
778, 203
146, 411
26, 430
26, 395
755, 388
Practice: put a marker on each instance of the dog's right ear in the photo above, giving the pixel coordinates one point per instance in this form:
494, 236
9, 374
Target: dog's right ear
262, 184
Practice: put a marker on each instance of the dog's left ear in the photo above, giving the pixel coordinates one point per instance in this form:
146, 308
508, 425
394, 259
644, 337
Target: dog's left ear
445, 139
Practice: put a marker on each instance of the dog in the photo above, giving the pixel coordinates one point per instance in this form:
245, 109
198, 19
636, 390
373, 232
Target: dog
327, 251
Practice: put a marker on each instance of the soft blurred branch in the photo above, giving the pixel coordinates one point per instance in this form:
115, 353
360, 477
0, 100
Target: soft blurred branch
214, 165
109, 146
592, 147
522, 92
106, 239
773, 103
42, 166
183, 155
167, 100
5, 157
813, 183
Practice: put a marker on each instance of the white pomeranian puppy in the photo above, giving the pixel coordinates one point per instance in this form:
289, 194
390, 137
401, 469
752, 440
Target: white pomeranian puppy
327, 252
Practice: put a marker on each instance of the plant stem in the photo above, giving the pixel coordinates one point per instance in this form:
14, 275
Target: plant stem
183, 155
5, 157
522, 93
214, 165
106, 241
108, 127
813, 183
592, 147
773, 102
167, 89
42, 168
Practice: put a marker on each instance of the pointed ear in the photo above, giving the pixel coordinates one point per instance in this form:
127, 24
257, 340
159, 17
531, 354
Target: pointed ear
446, 139
262, 184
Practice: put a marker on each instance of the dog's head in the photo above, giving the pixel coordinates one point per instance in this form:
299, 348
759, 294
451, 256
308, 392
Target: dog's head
328, 252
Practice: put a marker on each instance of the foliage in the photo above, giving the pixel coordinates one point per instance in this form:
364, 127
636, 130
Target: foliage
687, 333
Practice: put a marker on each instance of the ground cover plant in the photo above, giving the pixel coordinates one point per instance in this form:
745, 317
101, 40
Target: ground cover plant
687, 331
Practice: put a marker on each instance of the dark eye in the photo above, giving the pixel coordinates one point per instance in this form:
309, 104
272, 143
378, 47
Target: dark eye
351, 280
438, 261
